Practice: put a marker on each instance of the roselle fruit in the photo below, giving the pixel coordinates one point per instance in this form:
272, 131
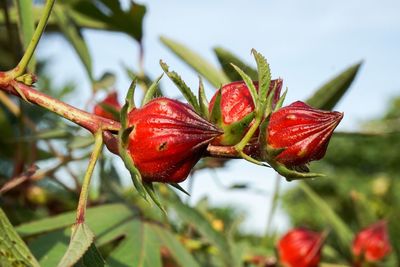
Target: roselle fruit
300, 247
110, 102
301, 132
372, 243
167, 140
236, 104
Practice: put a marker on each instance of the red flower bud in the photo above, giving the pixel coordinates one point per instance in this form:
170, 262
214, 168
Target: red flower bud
300, 248
167, 140
111, 101
302, 131
372, 243
236, 104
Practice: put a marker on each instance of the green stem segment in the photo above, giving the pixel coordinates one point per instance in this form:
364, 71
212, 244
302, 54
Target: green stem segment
21, 67
98, 147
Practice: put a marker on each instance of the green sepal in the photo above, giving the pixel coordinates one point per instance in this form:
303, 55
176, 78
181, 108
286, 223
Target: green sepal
280, 101
128, 106
130, 95
125, 136
291, 175
135, 174
123, 115
180, 188
234, 132
269, 103
185, 90
264, 78
152, 91
273, 152
250, 85
216, 115
203, 102
150, 190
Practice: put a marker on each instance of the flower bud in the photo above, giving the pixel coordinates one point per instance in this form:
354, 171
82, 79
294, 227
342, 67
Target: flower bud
167, 140
236, 104
372, 244
302, 132
300, 248
109, 107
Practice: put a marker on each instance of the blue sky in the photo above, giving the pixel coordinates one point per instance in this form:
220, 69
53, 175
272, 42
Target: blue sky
306, 43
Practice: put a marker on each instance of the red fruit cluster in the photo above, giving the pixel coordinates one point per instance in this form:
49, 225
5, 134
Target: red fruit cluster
110, 102
167, 140
302, 132
169, 137
372, 243
300, 248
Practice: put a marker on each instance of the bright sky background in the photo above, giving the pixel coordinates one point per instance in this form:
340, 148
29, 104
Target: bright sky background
306, 43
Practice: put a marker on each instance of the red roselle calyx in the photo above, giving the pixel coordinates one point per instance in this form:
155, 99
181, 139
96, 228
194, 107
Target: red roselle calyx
372, 244
236, 105
300, 248
109, 107
302, 132
167, 140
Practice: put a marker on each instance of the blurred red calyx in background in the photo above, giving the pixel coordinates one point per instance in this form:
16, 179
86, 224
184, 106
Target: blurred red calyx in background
372, 243
109, 107
300, 247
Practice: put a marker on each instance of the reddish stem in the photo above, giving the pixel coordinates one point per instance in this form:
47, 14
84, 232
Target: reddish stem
89, 121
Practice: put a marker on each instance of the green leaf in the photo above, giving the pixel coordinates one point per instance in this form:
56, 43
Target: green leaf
140, 248
264, 79
98, 218
92, 258
178, 251
225, 58
339, 227
106, 81
207, 70
197, 220
26, 26
46, 134
185, 90
203, 103
72, 33
152, 91
13, 251
330, 93
128, 20
81, 239
249, 84
80, 141
50, 247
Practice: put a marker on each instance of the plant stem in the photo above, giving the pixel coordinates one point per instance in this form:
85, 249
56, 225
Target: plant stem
87, 120
98, 146
274, 201
21, 67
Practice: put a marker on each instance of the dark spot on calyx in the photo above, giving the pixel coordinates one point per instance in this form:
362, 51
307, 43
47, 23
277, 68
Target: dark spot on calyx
162, 146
